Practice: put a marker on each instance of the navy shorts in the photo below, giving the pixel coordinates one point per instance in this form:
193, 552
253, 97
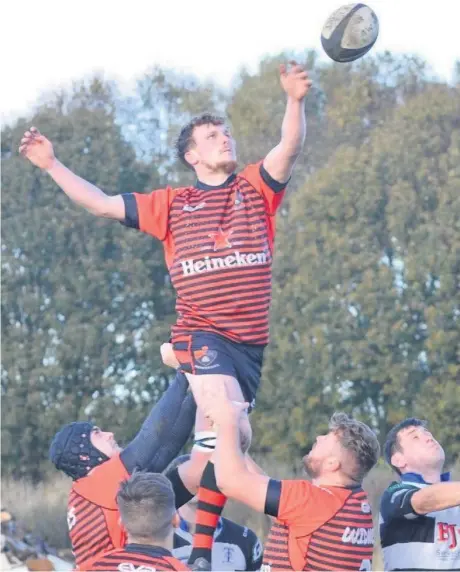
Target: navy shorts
203, 353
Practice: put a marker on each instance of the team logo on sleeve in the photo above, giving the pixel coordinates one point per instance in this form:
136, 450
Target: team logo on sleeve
204, 357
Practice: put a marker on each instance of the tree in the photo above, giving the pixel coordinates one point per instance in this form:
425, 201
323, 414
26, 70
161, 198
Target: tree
85, 301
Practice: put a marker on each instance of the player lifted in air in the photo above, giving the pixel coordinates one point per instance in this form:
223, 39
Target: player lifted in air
218, 237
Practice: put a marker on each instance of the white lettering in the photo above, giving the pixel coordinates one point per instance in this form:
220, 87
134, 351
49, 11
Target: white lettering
207, 264
187, 267
199, 266
358, 536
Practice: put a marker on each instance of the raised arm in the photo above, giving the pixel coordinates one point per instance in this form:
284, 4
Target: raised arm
39, 150
436, 497
281, 159
234, 478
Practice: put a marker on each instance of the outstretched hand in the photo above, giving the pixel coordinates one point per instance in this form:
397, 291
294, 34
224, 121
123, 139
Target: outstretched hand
37, 148
217, 406
295, 80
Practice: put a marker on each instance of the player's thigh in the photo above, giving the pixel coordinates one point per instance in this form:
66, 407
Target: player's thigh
199, 383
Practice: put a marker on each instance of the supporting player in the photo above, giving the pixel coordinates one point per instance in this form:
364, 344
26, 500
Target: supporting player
147, 511
97, 465
325, 524
218, 237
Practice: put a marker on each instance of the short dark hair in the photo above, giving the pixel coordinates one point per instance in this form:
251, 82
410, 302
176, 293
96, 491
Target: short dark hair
147, 505
392, 443
359, 439
185, 139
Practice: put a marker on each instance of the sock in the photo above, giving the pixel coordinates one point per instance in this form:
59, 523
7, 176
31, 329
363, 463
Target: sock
211, 503
181, 493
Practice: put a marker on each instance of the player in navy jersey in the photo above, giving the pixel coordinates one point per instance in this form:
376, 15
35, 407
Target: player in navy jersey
419, 513
218, 237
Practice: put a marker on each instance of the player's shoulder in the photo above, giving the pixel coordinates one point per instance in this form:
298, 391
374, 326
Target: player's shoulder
249, 170
234, 531
395, 489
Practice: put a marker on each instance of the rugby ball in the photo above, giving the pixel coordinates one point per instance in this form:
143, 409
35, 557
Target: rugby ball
350, 32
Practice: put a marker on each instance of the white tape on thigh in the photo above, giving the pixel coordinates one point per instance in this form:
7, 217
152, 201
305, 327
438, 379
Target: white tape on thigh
205, 441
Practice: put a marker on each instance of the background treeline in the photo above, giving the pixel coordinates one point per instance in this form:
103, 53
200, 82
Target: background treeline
366, 298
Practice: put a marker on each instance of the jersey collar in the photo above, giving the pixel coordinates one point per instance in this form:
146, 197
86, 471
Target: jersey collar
149, 550
417, 478
224, 185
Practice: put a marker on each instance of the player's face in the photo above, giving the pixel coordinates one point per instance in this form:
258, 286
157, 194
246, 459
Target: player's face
104, 441
214, 149
418, 450
324, 455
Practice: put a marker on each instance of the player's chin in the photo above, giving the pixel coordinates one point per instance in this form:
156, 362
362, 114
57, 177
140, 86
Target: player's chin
228, 166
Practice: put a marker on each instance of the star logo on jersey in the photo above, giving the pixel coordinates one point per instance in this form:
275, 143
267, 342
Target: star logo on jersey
221, 239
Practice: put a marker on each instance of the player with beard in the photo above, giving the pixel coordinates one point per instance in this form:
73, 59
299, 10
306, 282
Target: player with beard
218, 237
325, 524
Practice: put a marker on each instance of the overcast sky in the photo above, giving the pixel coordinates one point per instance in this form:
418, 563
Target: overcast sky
46, 44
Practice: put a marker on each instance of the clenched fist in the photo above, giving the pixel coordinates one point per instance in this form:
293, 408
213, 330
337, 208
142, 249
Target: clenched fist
37, 148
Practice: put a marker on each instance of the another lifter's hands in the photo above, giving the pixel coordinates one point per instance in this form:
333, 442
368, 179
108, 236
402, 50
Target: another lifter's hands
168, 356
217, 406
294, 80
37, 148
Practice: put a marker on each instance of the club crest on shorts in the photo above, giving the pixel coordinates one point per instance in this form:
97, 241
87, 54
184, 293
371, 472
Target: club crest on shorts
205, 357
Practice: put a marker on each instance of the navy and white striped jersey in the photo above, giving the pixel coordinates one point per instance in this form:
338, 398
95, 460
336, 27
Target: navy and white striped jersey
417, 542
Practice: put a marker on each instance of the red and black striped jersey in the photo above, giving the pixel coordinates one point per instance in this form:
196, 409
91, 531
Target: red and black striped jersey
93, 516
138, 557
218, 244
320, 528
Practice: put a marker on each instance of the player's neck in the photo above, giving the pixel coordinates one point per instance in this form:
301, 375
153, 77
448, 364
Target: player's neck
428, 474
334, 480
212, 178
166, 543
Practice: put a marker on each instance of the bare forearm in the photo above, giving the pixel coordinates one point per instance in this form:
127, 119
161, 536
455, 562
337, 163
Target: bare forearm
229, 460
80, 191
436, 497
294, 127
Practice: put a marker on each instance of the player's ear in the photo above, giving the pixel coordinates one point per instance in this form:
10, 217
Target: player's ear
397, 460
191, 157
176, 520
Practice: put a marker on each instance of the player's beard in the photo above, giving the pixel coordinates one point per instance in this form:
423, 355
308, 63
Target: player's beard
312, 466
226, 166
